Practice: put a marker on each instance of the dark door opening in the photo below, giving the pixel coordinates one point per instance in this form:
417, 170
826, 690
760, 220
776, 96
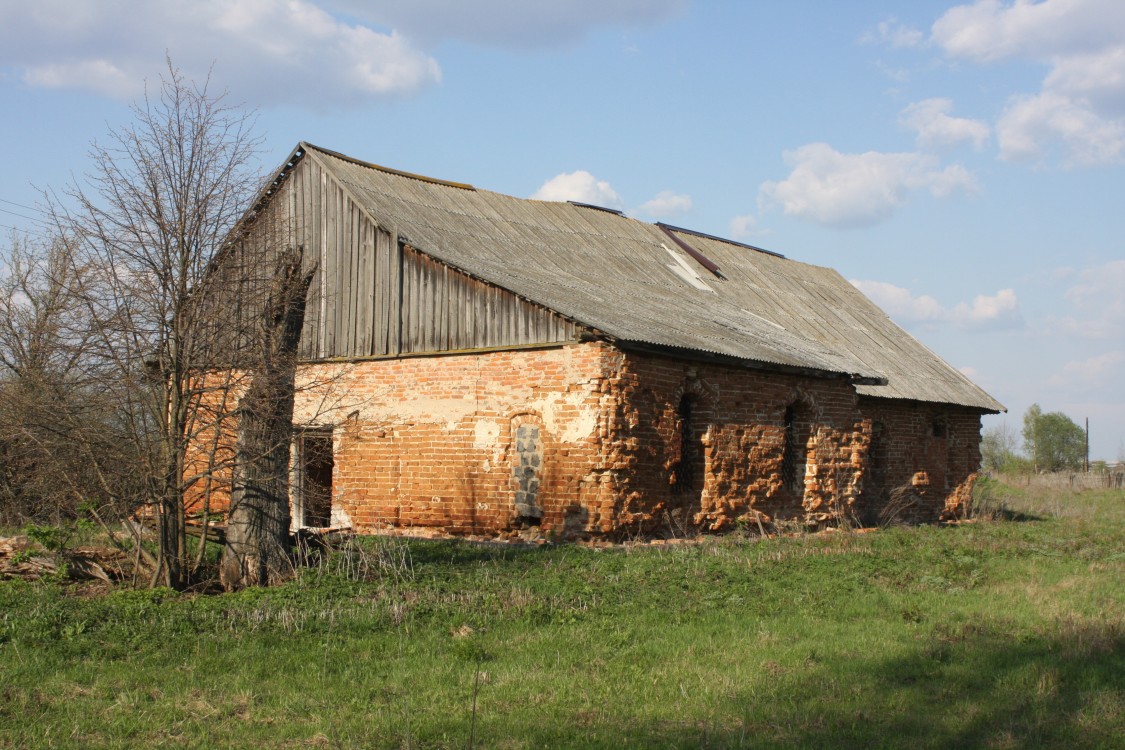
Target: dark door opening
795, 451
876, 496
688, 472
314, 450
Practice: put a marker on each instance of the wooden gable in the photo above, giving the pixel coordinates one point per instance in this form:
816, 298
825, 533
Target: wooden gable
373, 295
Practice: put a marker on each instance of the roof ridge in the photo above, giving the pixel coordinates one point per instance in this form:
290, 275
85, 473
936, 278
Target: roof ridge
388, 170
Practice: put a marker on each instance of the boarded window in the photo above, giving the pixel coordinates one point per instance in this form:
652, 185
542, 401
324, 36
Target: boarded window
527, 470
314, 477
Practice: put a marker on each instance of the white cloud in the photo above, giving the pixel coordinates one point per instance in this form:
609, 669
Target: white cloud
743, 227
1097, 302
1097, 371
666, 204
264, 51
516, 24
849, 190
991, 30
1097, 77
937, 129
579, 186
894, 33
101, 76
1030, 124
1080, 107
1000, 311
900, 304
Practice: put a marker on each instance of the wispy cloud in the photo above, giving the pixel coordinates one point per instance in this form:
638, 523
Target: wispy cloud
515, 24
1092, 372
1097, 305
1000, 311
835, 189
937, 129
1079, 110
744, 227
267, 51
894, 33
666, 205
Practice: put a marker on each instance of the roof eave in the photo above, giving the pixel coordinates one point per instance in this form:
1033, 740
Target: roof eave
750, 364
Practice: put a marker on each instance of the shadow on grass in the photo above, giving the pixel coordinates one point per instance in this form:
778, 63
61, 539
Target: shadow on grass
969, 688
462, 552
1007, 514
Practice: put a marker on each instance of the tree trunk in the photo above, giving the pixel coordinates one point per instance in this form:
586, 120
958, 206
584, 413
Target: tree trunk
257, 537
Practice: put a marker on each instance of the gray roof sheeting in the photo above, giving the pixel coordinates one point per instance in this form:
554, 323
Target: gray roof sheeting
628, 279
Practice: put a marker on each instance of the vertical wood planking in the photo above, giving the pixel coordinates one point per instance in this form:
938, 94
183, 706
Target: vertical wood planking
372, 295
316, 241
331, 266
386, 290
346, 257
444, 309
367, 282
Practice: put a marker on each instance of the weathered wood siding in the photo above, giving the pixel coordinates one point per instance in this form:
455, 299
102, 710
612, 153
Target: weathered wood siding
444, 310
373, 296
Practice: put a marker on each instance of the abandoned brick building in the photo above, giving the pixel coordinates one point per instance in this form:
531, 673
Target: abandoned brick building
474, 362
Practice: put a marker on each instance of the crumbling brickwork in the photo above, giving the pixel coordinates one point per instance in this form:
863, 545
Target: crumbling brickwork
589, 439
740, 425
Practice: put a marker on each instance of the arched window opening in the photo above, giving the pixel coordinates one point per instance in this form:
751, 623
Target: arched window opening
526, 472
687, 473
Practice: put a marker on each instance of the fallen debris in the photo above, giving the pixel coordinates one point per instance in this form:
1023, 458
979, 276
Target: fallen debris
22, 557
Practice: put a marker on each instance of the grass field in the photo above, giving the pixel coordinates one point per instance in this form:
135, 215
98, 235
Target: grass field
1006, 633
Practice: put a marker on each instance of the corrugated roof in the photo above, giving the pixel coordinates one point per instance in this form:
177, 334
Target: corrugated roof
626, 278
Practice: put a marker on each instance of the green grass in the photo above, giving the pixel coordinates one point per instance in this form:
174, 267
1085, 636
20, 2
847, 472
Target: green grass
1005, 634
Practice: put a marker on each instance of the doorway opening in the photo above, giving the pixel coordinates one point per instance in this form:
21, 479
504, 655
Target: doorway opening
314, 467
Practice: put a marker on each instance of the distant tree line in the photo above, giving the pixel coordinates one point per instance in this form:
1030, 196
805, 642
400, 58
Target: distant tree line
1051, 442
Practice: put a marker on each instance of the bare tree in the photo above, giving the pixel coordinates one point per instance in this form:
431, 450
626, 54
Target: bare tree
257, 549
59, 436
164, 194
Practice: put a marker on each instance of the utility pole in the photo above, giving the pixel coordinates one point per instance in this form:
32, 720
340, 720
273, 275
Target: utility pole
1087, 445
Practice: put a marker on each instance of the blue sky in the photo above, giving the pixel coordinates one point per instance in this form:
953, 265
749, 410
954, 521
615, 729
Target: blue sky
962, 164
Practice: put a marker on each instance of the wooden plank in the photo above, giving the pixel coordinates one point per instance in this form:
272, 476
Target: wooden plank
308, 228
395, 299
345, 253
367, 287
410, 293
442, 338
332, 266
316, 240
384, 294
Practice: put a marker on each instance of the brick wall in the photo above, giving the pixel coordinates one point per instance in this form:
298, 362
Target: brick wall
853, 460
436, 441
927, 457
739, 425
586, 438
